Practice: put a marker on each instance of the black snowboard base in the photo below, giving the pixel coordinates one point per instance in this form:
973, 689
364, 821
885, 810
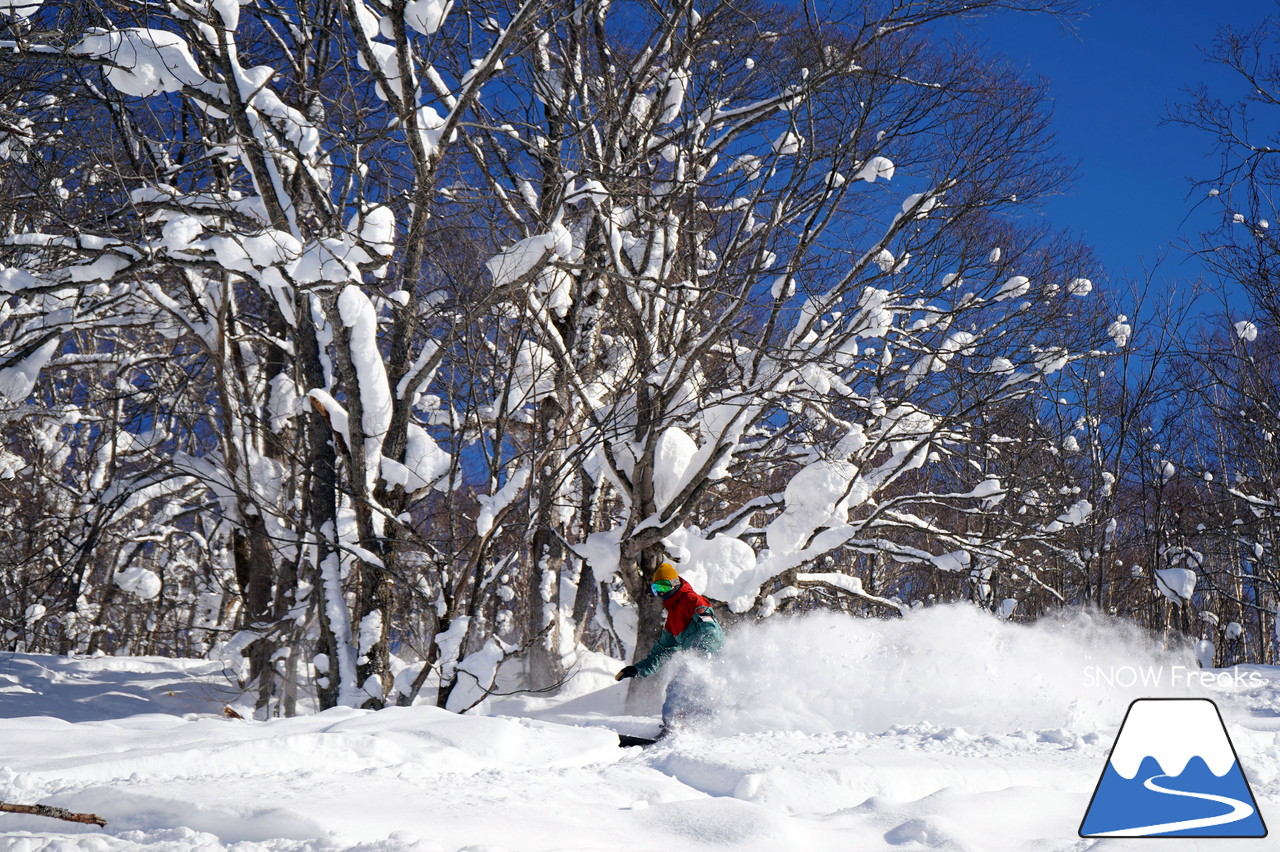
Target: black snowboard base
626, 741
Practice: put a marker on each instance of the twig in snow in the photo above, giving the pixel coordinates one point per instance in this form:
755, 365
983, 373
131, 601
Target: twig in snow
56, 813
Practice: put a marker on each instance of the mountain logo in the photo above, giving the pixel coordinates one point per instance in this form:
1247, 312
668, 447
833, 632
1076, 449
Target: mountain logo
1173, 772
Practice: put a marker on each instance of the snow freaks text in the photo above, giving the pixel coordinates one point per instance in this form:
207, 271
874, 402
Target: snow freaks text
1160, 676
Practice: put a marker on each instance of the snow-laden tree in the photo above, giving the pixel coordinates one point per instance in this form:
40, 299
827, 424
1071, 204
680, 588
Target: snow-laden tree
103, 547
1225, 526
1230, 380
1115, 424
485, 303
727, 289
246, 211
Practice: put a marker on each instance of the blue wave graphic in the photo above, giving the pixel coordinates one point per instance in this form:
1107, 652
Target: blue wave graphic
1195, 803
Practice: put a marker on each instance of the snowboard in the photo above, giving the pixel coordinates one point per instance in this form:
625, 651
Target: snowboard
626, 741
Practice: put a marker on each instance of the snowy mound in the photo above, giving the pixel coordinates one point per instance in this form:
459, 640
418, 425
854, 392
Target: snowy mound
89, 689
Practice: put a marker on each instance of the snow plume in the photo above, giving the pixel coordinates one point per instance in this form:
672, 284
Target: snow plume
949, 666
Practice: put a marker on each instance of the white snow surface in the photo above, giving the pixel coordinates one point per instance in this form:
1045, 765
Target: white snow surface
677, 86
229, 10
884, 259
926, 201
376, 226
1077, 514
518, 260
425, 463
788, 143
948, 729
601, 550
819, 495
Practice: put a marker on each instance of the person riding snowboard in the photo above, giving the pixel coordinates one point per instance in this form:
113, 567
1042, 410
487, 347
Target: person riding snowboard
691, 626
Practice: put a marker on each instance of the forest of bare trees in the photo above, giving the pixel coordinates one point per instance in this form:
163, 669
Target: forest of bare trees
389, 345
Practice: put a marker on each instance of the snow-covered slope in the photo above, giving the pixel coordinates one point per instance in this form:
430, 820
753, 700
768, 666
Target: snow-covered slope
946, 730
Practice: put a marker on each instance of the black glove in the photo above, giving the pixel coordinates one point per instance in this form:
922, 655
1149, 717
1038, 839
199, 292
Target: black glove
629, 671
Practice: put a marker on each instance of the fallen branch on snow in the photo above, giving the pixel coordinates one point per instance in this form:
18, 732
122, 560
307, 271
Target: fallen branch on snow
56, 813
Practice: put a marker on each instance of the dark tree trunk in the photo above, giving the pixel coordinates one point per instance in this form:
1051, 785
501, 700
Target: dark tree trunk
643, 696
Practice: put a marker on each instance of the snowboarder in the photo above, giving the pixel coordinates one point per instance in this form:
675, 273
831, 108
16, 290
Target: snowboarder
691, 626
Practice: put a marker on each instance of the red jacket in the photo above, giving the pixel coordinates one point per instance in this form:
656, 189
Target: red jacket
686, 629
680, 605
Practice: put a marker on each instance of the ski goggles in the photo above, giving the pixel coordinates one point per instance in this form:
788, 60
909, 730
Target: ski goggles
662, 587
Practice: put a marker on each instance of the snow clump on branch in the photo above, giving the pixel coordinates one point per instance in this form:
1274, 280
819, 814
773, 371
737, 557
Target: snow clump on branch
144, 62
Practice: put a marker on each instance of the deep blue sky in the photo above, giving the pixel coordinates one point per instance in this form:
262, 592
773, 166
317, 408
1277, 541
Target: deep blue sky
1112, 81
